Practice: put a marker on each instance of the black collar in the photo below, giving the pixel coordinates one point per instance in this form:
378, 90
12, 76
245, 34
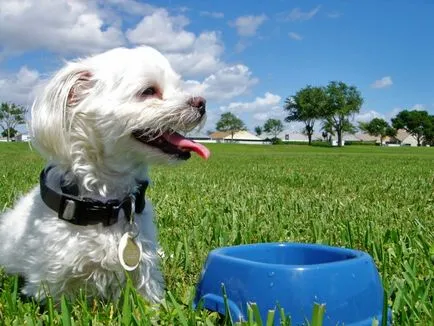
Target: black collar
86, 211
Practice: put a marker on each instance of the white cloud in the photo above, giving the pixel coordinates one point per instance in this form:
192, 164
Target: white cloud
382, 82
297, 14
366, 116
162, 31
20, 88
418, 107
396, 110
225, 84
252, 113
295, 36
212, 14
261, 116
202, 58
190, 54
62, 26
257, 111
392, 114
248, 25
269, 101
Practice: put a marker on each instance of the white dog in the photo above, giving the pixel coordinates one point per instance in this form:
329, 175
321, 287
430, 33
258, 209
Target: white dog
99, 122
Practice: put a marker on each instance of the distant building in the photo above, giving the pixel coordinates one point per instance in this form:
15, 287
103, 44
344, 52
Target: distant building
200, 137
17, 137
402, 138
22, 137
239, 137
292, 136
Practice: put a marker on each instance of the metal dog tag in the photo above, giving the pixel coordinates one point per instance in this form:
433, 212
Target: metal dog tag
130, 252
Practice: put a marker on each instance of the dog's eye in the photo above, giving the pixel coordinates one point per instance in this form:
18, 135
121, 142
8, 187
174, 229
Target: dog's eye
150, 91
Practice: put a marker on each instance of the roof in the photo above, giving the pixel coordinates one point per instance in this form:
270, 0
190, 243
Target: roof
219, 134
243, 134
401, 134
238, 135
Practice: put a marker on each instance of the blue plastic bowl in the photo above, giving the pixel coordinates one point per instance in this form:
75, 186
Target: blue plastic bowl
293, 276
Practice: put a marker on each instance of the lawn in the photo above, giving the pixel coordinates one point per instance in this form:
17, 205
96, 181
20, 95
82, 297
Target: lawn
380, 200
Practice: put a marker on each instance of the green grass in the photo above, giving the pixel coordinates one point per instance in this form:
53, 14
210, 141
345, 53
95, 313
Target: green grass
380, 200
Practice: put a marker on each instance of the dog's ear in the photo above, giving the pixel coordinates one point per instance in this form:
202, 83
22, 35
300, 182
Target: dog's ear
80, 88
52, 110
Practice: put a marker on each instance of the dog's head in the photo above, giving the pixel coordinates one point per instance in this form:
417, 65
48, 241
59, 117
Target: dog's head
115, 111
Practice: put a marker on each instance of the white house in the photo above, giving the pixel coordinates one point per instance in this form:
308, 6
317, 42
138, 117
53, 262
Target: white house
403, 138
200, 137
292, 136
22, 137
239, 137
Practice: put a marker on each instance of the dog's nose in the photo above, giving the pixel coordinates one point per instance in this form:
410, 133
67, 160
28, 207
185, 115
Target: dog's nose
199, 103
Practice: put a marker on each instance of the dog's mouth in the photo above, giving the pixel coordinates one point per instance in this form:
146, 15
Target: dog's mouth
172, 143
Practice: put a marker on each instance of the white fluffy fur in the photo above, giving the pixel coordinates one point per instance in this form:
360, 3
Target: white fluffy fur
82, 122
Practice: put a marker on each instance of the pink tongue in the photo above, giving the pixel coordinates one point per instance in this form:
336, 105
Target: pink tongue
184, 143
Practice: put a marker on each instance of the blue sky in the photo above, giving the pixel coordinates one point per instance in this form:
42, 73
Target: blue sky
244, 56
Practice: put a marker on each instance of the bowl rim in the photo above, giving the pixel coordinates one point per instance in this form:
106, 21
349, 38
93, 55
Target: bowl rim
221, 252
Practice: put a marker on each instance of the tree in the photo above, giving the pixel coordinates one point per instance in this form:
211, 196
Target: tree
379, 128
230, 123
11, 115
341, 102
428, 137
274, 127
417, 123
258, 130
306, 106
11, 132
328, 130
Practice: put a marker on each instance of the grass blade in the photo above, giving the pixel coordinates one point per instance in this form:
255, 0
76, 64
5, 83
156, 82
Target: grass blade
181, 316
318, 314
270, 317
126, 306
65, 312
228, 315
50, 309
256, 313
385, 310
